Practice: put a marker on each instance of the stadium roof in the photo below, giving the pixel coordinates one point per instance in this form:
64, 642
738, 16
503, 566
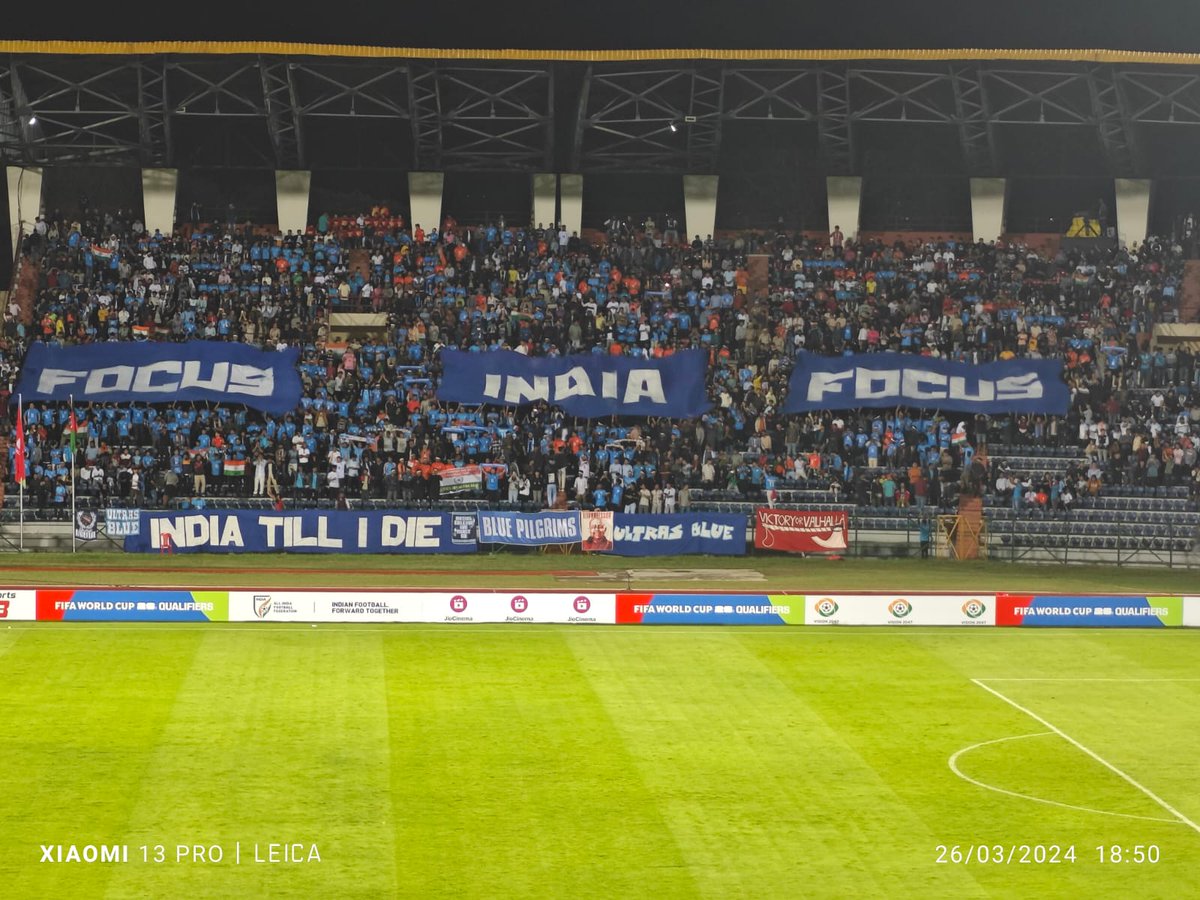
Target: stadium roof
1167, 26
1071, 87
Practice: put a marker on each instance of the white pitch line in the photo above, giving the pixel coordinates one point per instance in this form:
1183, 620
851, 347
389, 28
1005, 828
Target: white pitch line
999, 790
1066, 737
1122, 681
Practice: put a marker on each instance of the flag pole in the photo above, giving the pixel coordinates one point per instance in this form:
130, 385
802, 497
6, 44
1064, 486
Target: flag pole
74, 429
19, 460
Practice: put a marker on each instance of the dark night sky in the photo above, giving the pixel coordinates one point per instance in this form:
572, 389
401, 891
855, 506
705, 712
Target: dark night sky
1152, 25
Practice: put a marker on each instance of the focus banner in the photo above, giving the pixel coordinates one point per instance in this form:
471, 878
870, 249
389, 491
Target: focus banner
889, 380
159, 372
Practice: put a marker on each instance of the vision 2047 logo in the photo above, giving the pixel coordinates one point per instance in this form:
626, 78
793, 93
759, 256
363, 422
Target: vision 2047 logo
262, 605
900, 608
826, 607
973, 608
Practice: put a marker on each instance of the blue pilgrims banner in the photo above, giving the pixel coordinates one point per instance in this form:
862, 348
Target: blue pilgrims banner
586, 386
529, 529
305, 531
217, 371
900, 379
721, 534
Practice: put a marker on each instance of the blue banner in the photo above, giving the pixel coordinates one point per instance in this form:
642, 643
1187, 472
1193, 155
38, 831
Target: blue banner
901, 379
305, 531
113, 372
589, 387
720, 534
529, 529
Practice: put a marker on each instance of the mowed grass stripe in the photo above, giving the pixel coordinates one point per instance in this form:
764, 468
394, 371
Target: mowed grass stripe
275, 738
509, 779
905, 708
764, 798
80, 718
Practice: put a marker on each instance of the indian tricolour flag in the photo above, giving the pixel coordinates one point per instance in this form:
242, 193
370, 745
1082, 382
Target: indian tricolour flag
102, 253
141, 332
460, 480
235, 467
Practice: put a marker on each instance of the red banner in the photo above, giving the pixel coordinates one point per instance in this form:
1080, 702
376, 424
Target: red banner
797, 531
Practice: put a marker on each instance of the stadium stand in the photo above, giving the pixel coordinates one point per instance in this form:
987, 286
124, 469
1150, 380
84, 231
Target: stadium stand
369, 426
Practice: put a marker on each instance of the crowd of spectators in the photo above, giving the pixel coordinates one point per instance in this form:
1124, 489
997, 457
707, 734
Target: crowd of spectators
370, 426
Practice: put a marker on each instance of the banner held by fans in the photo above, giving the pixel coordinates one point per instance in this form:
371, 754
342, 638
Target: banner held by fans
888, 380
796, 531
216, 371
585, 386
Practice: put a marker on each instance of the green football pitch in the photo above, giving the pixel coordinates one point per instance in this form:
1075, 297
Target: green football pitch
569, 761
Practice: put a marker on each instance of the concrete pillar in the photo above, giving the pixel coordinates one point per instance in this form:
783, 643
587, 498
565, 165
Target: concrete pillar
699, 206
545, 200
987, 208
425, 200
291, 199
570, 199
1133, 210
24, 201
844, 201
158, 199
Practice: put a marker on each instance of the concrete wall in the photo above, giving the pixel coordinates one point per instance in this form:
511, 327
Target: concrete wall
987, 208
545, 200
158, 199
291, 199
699, 206
425, 199
844, 201
570, 188
24, 200
1133, 210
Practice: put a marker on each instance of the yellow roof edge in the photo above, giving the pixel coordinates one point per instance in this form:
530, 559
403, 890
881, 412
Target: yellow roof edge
281, 48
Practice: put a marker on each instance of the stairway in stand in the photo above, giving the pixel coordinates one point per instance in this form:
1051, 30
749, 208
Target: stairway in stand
25, 291
1189, 295
758, 268
970, 528
359, 261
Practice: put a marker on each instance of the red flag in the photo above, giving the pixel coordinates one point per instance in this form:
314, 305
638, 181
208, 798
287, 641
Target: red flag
19, 454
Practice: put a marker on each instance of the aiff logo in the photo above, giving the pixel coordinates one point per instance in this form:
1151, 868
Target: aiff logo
826, 607
458, 603
262, 605
973, 608
900, 608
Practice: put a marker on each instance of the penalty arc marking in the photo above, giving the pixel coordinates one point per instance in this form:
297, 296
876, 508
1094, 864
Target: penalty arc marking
1070, 740
999, 790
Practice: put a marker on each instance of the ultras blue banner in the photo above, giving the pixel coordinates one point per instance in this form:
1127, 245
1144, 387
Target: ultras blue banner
308, 531
721, 534
113, 372
900, 379
586, 386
